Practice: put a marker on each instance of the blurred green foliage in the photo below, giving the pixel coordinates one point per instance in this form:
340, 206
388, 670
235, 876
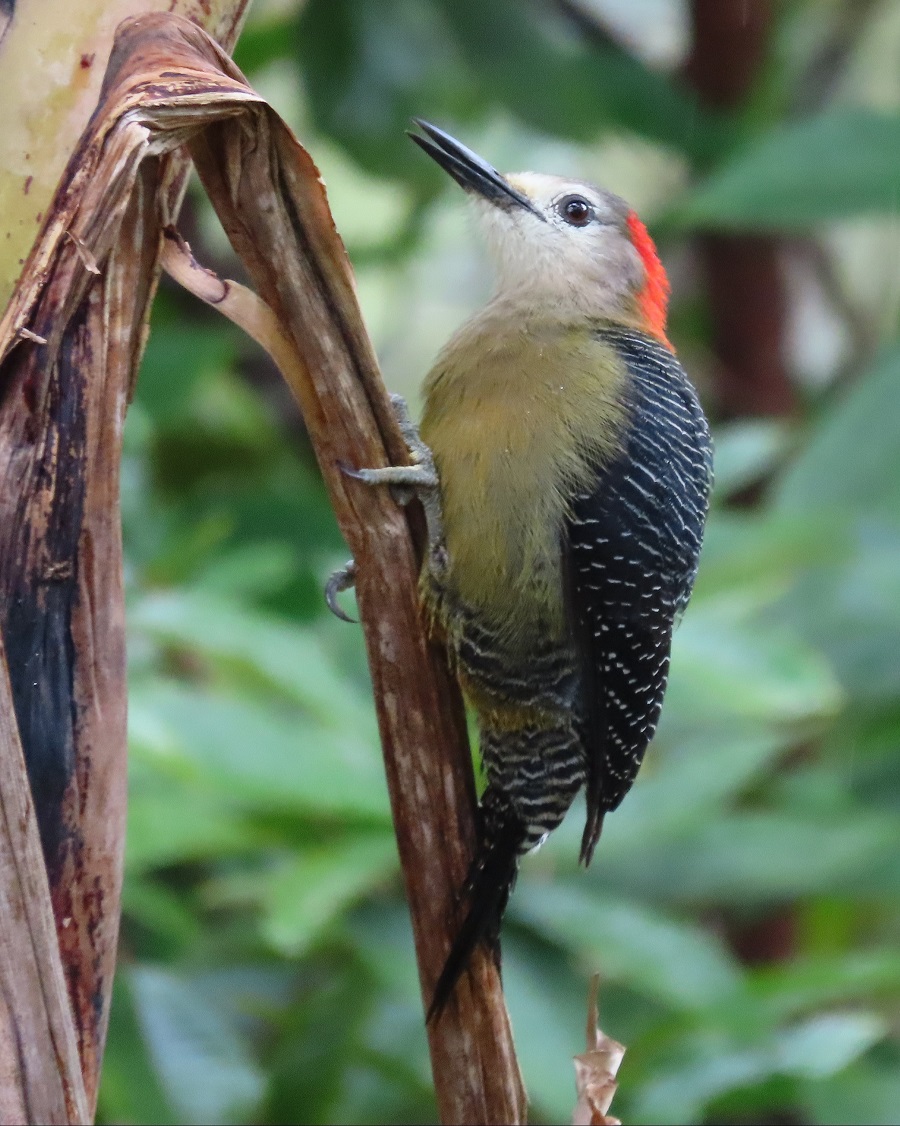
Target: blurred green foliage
267, 972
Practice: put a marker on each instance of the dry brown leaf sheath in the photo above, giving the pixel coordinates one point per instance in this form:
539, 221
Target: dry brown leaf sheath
40, 1072
169, 85
70, 340
596, 1070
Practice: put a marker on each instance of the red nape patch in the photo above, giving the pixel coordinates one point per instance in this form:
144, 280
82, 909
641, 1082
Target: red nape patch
654, 296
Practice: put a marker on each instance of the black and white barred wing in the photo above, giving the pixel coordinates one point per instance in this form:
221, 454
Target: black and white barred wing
633, 545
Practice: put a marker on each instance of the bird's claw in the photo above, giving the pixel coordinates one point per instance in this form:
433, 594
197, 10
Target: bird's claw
408, 482
344, 578
407, 478
401, 490
365, 475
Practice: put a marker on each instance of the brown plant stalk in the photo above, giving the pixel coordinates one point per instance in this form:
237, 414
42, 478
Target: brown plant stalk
169, 85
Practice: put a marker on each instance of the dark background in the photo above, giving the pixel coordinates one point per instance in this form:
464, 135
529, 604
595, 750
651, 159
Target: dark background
744, 903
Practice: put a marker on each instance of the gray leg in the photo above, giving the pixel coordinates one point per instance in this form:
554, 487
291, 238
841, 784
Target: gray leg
407, 482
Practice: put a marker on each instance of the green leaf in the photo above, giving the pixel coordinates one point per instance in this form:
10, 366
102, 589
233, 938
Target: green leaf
309, 891
316, 1059
706, 1066
250, 570
293, 660
850, 463
709, 1064
657, 955
169, 925
844, 162
258, 755
723, 664
370, 68
548, 1005
866, 1093
201, 1057
382, 933
763, 553
130, 1089
756, 858
171, 821
677, 787
507, 44
180, 358
827, 1043
266, 38
746, 451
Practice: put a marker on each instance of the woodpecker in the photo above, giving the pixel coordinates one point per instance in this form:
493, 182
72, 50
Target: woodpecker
565, 464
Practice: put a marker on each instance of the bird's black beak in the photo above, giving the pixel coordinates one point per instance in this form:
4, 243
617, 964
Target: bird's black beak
468, 169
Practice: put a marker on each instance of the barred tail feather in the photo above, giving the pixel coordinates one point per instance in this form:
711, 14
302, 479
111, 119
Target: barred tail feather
490, 884
592, 830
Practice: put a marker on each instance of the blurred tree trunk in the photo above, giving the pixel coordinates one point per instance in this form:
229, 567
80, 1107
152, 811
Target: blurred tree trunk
64, 385
743, 273
745, 288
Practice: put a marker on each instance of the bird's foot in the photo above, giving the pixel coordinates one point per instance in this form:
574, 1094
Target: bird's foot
340, 580
407, 482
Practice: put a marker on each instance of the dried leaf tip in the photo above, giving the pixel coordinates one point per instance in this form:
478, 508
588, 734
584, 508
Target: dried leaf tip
595, 1070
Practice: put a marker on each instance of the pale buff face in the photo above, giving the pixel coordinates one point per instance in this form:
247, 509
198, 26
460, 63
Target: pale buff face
543, 259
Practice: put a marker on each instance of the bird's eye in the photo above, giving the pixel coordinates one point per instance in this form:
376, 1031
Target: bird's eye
575, 210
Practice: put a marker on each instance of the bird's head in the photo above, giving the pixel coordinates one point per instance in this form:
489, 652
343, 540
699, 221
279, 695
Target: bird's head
561, 244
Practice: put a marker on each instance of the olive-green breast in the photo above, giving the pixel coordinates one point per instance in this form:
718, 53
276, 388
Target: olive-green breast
515, 421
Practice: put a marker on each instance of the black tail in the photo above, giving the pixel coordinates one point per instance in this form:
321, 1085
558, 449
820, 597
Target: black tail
594, 826
490, 883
